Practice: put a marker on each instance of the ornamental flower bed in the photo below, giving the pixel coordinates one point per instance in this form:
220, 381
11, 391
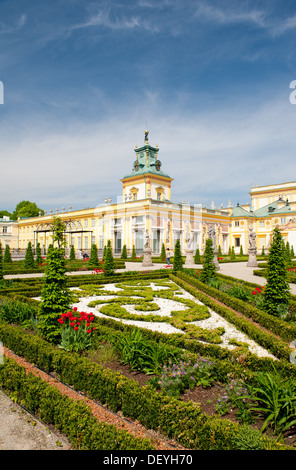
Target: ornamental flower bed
258, 290
76, 330
98, 271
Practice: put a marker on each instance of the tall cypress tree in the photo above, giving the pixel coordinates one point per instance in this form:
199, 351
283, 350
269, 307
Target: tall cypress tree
178, 261
93, 261
72, 253
38, 259
209, 268
109, 261
197, 256
7, 254
134, 254
124, 252
163, 254
277, 290
29, 258
55, 293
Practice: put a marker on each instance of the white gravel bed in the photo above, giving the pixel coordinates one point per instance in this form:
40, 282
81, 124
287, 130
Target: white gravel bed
166, 306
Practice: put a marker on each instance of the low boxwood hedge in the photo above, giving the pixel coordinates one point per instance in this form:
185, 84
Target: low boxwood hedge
70, 417
182, 421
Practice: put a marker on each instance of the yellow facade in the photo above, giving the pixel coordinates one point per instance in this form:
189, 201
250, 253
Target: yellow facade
145, 207
271, 206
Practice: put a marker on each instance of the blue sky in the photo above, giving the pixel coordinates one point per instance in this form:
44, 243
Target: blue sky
83, 79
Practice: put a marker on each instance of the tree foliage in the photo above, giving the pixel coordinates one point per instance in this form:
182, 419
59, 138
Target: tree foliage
7, 254
26, 209
277, 290
55, 292
124, 252
178, 261
197, 256
93, 261
38, 259
29, 258
109, 260
209, 269
162, 254
72, 253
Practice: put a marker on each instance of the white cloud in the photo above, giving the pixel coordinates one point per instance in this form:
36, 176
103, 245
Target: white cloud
215, 152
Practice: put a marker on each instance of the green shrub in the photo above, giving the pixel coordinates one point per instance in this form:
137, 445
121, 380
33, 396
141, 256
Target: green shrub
29, 258
178, 262
277, 287
93, 261
209, 268
72, 418
7, 254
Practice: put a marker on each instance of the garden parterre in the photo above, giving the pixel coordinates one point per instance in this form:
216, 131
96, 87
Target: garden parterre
163, 306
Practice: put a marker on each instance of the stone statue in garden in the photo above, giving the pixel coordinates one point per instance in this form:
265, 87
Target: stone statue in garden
147, 240
252, 239
252, 249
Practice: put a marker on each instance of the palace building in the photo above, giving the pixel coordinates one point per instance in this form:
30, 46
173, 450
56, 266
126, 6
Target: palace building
146, 206
271, 206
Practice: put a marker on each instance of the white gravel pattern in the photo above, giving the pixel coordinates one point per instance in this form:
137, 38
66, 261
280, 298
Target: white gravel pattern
166, 306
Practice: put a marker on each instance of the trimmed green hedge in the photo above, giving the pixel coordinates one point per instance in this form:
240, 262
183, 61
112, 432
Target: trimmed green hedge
182, 421
72, 418
277, 347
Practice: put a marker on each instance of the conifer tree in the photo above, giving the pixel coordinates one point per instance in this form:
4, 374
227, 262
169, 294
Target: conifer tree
109, 262
209, 268
29, 258
163, 254
197, 256
7, 254
232, 254
55, 292
93, 261
277, 290
292, 253
134, 254
288, 252
241, 252
72, 253
219, 251
38, 259
178, 261
1, 263
104, 253
124, 252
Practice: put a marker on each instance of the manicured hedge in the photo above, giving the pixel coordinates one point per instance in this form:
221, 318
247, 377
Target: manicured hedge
270, 342
183, 421
72, 418
283, 329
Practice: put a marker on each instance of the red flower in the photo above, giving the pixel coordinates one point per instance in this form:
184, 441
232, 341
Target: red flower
258, 289
75, 309
76, 328
254, 292
61, 321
